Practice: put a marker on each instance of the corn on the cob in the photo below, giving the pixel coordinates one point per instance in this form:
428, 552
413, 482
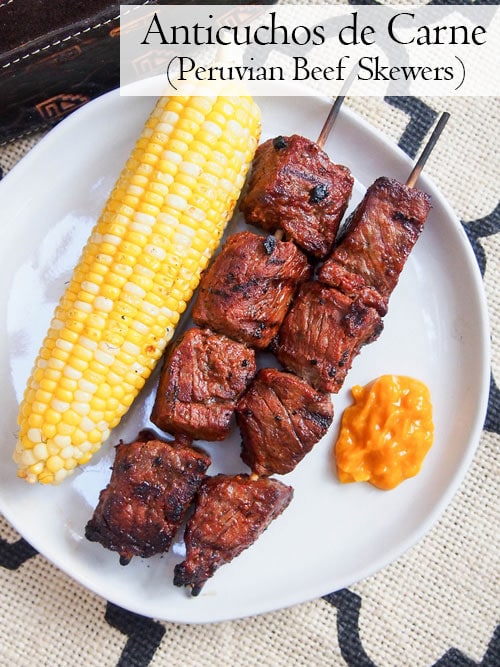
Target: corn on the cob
142, 262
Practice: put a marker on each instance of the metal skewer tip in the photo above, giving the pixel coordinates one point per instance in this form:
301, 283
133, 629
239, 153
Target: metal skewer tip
419, 165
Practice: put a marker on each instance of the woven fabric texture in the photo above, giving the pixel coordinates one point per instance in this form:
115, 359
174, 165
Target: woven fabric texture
437, 605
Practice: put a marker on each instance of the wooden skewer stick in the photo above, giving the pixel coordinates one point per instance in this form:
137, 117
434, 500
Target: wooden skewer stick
419, 165
325, 131
334, 111
327, 126
330, 120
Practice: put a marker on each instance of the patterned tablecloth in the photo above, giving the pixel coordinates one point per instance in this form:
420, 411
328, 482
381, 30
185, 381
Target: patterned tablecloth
437, 605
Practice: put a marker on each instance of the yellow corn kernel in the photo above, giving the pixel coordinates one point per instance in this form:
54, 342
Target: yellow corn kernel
163, 219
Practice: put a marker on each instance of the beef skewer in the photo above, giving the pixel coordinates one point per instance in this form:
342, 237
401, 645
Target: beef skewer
202, 377
245, 296
379, 236
197, 390
281, 417
360, 276
295, 188
152, 484
231, 512
247, 290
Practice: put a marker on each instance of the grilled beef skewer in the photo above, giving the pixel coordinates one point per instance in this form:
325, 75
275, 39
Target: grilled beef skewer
322, 333
245, 295
202, 377
295, 187
319, 343
378, 238
231, 513
281, 417
331, 320
151, 487
296, 190
246, 291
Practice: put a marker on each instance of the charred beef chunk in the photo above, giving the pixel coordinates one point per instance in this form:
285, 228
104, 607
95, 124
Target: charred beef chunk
151, 486
231, 513
203, 376
295, 187
322, 333
247, 290
281, 417
375, 245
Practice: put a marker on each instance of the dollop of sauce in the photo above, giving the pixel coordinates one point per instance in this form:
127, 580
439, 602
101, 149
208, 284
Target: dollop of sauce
386, 433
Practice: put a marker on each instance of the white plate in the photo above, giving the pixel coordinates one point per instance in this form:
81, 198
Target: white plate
331, 535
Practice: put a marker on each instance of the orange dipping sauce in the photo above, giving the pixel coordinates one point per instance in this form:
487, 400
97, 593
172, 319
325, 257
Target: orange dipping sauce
387, 432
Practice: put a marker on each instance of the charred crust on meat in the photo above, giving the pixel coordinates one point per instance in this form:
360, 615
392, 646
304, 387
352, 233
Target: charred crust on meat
355, 318
151, 488
279, 143
296, 188
203, 377
344, 358
146, 491
91, 533
270, 244
231, 512
267, 273
285, 421
323, 421
318, 193
259, 328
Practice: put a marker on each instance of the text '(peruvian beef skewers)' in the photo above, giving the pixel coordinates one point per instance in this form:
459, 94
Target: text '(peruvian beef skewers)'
359, 278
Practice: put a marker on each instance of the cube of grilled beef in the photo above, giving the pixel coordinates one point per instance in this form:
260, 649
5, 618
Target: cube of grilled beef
375, 245
151, 487
231, 513
281, 417
295, 187
247, 290
202, 377
323, 332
